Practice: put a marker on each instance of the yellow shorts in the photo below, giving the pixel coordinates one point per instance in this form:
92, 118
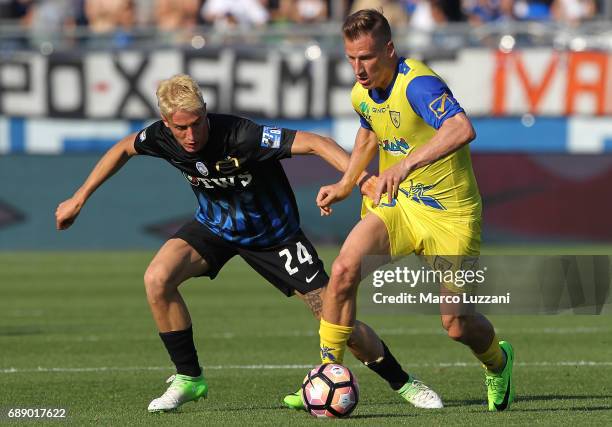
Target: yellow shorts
427, 231
447, 239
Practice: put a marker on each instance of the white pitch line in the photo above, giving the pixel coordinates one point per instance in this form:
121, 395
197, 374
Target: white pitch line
426, 331
313, 333
40, 369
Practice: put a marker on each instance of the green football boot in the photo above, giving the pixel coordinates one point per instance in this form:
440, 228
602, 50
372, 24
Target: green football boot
294, 401
500, 386
182, 389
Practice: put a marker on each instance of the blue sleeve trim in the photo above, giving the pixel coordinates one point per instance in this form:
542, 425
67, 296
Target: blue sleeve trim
364, 123
432, 100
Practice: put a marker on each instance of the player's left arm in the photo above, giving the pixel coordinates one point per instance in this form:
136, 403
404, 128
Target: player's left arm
328, 150
268, 142
332, 153
454, 133
322, 146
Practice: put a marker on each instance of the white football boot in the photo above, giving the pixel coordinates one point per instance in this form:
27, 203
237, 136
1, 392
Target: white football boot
182, 389
420, 395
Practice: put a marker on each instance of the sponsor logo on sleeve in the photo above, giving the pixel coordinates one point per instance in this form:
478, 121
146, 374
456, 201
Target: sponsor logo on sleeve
364, 111
441, 105
271, 137
143, 135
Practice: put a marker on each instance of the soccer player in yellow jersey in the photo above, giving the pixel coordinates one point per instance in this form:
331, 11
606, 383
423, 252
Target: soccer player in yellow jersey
432, 205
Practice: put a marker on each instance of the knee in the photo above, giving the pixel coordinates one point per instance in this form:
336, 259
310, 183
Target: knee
157, 284
344, 278
456, 327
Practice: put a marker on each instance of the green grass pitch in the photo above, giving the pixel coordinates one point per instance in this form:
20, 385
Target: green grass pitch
76, 333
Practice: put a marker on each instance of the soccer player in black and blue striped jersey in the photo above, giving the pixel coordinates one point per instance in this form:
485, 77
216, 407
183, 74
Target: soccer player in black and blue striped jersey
246, 207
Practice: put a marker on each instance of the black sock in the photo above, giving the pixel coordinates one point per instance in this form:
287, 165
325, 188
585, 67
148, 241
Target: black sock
389, 369
182, 351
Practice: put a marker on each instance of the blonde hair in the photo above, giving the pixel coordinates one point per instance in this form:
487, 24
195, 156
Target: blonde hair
179, 92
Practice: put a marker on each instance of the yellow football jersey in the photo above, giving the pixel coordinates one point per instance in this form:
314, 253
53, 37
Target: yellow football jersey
404, 117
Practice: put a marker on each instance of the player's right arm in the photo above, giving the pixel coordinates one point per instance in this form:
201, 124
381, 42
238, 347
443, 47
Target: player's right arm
111, 162
366, 147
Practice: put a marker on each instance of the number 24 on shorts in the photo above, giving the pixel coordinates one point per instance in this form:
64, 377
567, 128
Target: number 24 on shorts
302, 257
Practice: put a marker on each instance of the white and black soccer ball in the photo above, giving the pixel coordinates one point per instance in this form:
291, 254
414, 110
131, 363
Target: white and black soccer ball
330, 391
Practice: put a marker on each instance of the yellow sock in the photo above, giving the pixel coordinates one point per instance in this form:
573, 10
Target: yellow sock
333, 341
493, 359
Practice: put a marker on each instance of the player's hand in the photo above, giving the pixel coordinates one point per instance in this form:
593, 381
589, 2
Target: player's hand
367, 186
330, 194
66, 213
389, 182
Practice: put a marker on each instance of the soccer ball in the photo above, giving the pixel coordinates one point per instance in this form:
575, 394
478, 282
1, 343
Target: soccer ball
330, 390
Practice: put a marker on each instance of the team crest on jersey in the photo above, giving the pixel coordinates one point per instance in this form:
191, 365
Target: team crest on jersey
201, 167
395, 118
441, 104
271, 137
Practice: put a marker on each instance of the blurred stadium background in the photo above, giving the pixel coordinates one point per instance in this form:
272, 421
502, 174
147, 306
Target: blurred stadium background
77, 75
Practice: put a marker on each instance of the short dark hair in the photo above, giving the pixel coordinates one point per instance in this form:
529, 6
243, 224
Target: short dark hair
367, 22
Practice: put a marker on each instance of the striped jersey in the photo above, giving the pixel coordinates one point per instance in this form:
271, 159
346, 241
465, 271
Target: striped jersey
243, 194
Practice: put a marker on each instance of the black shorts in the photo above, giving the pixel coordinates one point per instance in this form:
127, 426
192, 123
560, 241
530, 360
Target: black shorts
293, 265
